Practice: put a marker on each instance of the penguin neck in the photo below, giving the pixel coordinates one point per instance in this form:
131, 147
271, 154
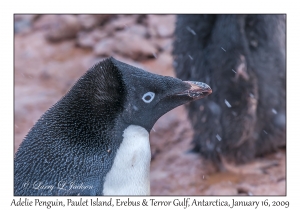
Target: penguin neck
129, 174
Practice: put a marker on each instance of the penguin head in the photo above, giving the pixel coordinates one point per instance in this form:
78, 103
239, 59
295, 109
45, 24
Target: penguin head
149, 96
132, 96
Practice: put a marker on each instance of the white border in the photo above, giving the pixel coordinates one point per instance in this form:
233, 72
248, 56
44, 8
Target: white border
8, 8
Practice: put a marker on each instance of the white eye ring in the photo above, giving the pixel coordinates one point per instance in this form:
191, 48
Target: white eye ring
151, 94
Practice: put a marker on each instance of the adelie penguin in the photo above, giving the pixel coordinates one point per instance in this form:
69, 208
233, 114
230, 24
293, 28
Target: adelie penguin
95, 140
242, 57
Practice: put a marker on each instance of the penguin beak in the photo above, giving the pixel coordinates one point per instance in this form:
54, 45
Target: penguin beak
197, 90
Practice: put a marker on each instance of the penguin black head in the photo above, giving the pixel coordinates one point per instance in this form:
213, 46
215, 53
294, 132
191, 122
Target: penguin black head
149, 96
134, 96
79, 139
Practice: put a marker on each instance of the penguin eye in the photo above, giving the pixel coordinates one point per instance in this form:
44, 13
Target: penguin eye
148, 97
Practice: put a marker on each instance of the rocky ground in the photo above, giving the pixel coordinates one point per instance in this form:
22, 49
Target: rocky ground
53, 51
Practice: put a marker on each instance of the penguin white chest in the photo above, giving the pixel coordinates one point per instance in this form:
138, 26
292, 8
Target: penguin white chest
129, 174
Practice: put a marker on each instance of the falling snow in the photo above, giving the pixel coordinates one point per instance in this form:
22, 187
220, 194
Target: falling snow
265, 132
191, 57
191, 30
233, 71
218, 137
135, 108
227, 104
274, 111
223, 49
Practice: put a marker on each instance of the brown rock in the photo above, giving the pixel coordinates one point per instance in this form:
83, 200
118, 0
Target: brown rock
105, 47
85, 40
163, 44
161, 25
134, 46
90, 39
270, 189
65, 27
127, 45
44, 22
137, 30
88, 22
121, 22
223, 188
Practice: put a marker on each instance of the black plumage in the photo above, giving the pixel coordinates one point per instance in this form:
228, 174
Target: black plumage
242, 57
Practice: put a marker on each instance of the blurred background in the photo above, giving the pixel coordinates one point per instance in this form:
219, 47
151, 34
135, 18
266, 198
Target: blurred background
53, 51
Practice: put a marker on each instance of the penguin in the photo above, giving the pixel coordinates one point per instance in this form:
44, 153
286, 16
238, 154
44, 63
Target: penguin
95, 140
242, 57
